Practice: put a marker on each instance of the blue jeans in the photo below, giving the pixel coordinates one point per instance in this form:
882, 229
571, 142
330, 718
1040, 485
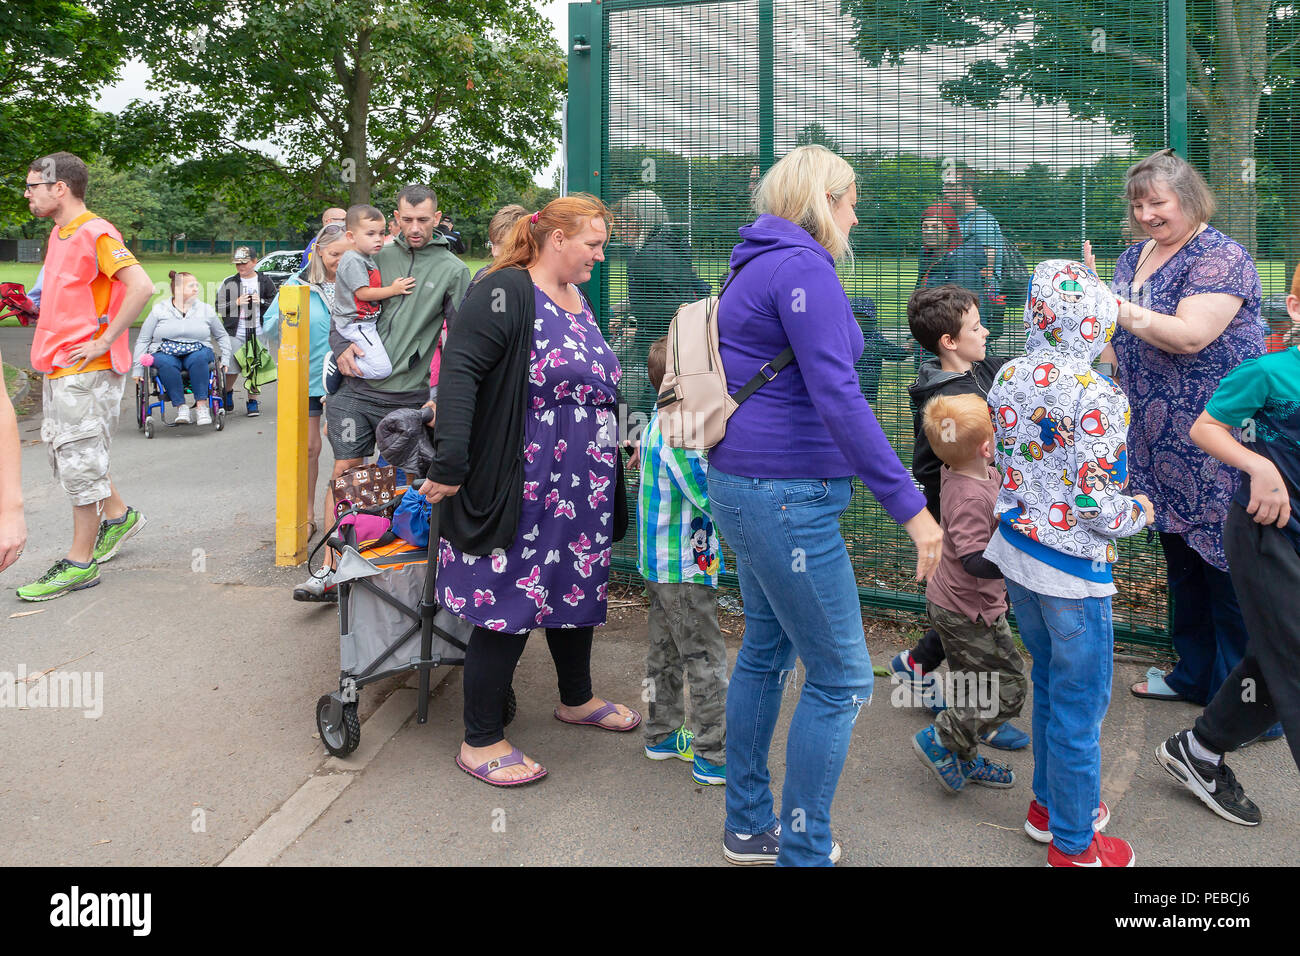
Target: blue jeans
1072, 642
801, 598
1208, 630
168, 368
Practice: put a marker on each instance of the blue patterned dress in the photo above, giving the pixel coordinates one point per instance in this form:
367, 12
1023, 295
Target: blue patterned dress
1190, 490
556, 572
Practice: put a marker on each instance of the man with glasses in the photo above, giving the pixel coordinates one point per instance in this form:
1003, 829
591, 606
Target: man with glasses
93, 290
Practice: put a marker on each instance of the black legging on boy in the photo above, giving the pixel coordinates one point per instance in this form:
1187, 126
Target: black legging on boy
490, 666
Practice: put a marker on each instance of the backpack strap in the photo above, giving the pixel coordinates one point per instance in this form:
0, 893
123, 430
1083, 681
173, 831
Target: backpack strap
768, 370
765, 374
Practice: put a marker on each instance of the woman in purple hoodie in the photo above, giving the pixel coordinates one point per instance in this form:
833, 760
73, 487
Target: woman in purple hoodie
778, 483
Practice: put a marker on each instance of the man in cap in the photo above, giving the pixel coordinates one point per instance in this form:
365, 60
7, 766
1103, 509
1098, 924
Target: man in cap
242, 299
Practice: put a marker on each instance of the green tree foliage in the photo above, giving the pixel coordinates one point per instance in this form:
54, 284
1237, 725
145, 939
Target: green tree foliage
280, 108
1104, 59
54, 56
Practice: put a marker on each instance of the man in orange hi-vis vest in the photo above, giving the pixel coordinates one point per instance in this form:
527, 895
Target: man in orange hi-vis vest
94, 289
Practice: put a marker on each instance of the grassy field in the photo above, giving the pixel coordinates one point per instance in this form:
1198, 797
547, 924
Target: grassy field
209, 270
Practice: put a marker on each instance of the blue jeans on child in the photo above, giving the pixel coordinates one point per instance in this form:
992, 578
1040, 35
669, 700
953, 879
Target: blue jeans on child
1072, 642
168, 368
801, 598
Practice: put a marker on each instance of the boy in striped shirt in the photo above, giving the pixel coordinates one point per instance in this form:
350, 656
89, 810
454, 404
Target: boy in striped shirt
679, 556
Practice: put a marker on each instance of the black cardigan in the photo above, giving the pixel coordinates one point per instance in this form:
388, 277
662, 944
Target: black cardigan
478, 441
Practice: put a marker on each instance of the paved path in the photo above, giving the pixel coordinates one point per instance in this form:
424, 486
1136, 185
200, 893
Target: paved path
211, 674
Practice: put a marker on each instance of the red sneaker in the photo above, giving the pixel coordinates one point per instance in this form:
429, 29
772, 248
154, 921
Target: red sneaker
1104, 851
1036, 823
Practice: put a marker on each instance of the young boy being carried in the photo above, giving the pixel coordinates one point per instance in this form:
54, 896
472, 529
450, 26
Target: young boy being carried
679, 557
1061, 430
1262, 539
357, 294
946, 321
967, 602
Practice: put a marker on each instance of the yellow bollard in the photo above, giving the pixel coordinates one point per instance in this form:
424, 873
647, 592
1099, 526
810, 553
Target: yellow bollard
291, 426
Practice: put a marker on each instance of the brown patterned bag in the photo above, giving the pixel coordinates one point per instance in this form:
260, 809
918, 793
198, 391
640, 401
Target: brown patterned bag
365, 486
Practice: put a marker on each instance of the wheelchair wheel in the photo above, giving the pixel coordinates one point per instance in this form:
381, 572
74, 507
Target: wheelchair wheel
148, 427
219, 420
139, 405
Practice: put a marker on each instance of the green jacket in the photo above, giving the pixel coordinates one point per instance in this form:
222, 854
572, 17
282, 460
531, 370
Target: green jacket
411, 324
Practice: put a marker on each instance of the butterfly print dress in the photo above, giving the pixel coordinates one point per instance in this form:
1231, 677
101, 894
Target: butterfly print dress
556, 572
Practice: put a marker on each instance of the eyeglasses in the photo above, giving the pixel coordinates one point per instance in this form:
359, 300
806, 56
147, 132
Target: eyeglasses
28, 187
332, 228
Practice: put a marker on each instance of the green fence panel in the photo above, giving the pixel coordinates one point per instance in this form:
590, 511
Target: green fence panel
1039, 108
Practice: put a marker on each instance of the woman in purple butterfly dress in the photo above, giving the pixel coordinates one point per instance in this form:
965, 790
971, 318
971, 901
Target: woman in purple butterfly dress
555, 572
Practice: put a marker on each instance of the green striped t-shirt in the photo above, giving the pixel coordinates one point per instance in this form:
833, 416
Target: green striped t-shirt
676, 541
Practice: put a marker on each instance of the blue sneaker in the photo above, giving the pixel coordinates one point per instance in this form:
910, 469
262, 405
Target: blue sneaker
253, 410
903, 670
987, 773
1006, 737
941, 761
677, 744
709, 773
761, 847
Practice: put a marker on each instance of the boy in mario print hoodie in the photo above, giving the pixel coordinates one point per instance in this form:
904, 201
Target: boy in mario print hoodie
1060, 429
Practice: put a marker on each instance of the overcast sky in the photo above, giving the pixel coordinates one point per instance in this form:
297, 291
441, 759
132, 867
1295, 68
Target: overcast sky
135, 74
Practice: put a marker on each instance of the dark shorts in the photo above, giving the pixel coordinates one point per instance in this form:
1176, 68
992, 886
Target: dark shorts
315, 406
350, 425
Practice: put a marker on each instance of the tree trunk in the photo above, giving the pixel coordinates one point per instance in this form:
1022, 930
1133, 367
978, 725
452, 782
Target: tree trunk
356, 173
1240, 61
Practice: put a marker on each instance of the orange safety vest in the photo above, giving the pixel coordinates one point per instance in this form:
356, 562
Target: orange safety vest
68, 316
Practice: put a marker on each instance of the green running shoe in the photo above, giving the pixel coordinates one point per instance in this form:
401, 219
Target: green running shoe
59, 580
113, 534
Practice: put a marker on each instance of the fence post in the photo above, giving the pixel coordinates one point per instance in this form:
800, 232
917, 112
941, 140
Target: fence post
1176, 73
766, 102
291, 426
585, 131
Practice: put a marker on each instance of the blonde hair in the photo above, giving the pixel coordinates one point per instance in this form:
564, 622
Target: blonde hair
328, 235
570, 214
1169, 169
796, 189
505, 217
956, 426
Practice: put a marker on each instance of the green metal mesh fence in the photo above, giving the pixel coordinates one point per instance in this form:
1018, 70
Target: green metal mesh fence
1039, 107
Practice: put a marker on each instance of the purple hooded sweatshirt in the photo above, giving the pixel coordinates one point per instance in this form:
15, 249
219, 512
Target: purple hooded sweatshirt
788, 294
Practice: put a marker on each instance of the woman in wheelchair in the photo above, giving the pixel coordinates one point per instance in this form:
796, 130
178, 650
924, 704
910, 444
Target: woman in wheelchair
178, 333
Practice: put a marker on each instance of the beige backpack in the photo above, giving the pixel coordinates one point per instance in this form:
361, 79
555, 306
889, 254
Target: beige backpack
693, 402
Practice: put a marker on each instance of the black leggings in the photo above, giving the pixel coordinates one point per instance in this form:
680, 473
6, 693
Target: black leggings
490, 666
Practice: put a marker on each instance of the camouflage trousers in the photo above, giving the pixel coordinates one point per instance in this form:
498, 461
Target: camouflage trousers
985, 684
685, 637
80, 415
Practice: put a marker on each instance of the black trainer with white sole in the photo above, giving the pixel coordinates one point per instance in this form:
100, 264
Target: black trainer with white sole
1215, 784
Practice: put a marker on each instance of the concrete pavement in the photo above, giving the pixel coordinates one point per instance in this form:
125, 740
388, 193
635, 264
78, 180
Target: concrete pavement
211, 673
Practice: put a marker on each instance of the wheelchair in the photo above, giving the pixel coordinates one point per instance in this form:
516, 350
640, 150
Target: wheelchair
149, 397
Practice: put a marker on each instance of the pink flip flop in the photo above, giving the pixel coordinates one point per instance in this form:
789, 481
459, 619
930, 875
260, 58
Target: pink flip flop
600, 713
496, 763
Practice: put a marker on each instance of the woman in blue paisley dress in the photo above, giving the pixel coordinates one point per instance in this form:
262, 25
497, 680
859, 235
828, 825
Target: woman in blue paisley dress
554, 574
1189, 314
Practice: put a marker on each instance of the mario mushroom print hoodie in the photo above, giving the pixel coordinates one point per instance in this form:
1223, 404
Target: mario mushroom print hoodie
1060, 429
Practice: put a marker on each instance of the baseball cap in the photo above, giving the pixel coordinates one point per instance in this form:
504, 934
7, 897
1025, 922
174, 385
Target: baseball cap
243, 254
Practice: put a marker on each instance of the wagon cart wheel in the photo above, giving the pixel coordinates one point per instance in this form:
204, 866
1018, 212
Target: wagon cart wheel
508, 711
339, 739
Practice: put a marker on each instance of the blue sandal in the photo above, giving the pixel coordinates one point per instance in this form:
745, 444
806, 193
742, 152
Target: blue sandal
1157, 689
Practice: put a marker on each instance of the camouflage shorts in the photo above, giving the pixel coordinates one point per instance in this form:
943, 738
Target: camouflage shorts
80, 417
